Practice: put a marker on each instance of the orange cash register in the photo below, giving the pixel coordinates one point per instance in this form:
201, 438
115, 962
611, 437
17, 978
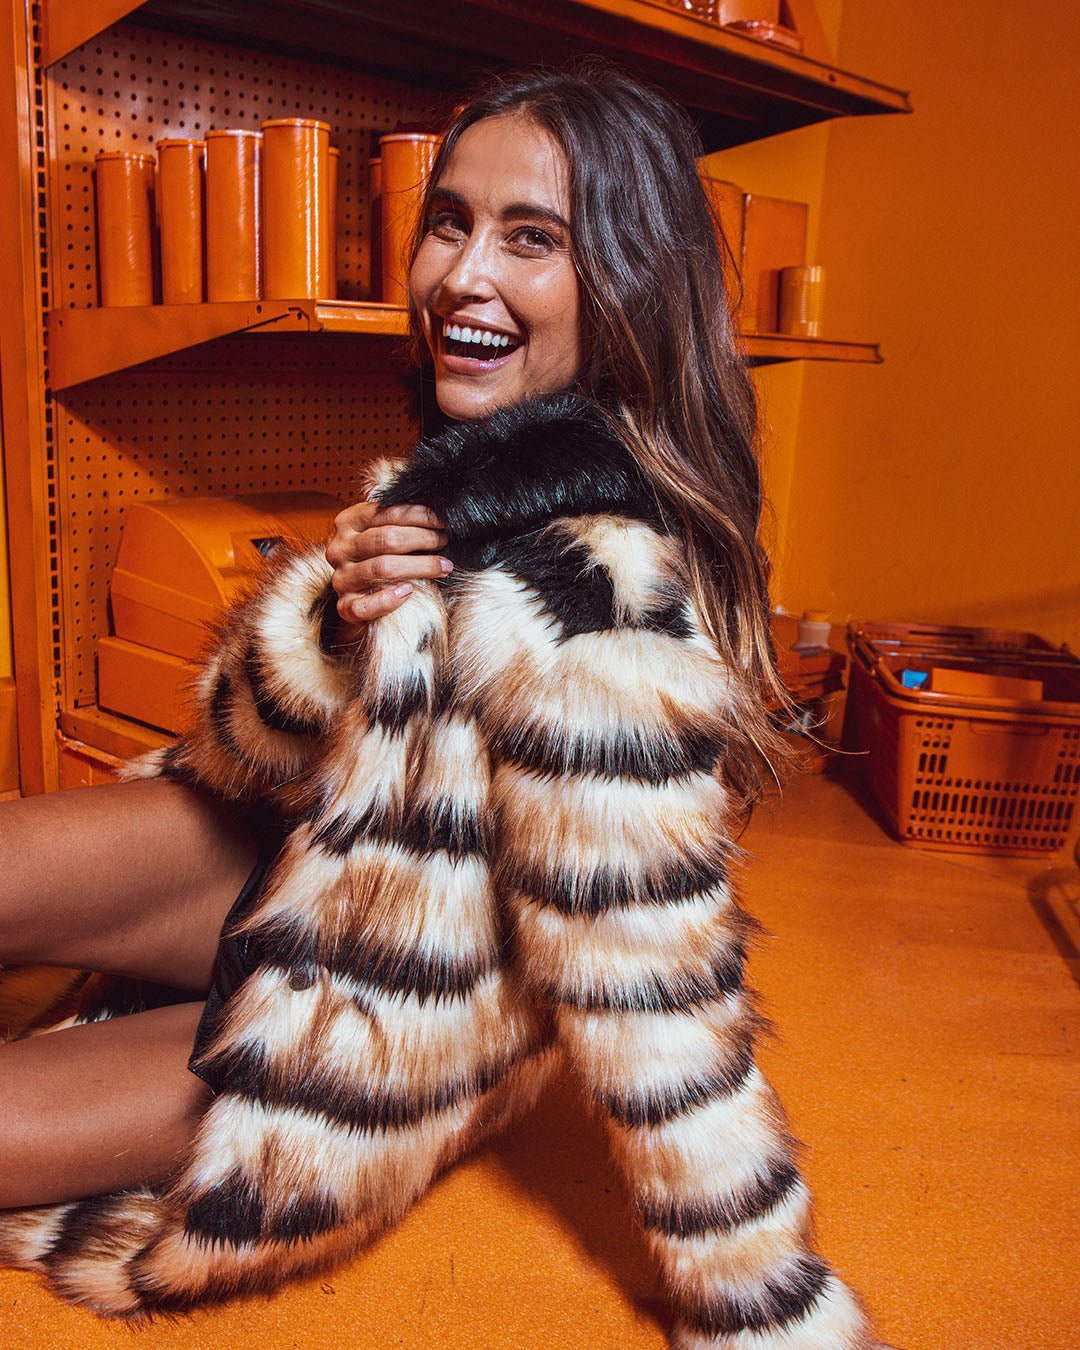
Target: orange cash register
181, 561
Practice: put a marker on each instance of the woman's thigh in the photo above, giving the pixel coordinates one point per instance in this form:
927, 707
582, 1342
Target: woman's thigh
98, 1108
129, 879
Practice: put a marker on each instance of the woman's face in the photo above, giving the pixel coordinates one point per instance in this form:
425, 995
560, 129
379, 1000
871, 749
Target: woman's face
494, 281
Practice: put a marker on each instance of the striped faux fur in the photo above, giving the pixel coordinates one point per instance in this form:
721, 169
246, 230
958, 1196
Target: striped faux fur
510, 844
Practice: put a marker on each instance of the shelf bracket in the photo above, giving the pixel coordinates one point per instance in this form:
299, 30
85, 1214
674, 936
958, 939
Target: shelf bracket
67, 24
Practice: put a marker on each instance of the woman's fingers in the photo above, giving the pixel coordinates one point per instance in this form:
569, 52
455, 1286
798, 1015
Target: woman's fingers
388, 569
369, 605
377, 554
363, 531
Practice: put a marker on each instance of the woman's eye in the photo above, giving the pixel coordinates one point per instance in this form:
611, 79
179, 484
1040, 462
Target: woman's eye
445, 224
533, 239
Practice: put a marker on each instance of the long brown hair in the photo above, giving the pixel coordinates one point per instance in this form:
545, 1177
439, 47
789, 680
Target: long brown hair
660, 355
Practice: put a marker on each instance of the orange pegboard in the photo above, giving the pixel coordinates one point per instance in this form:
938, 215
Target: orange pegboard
255, 414
134, 86
241, 415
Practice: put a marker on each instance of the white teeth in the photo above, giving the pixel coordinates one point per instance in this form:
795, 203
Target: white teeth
481, 337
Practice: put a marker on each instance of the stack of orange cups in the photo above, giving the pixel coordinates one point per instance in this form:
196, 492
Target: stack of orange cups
296, 208
233, 230
407, 161
124, 189
180, 211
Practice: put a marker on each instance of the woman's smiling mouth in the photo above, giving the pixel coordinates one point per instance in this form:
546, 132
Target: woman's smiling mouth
474, 347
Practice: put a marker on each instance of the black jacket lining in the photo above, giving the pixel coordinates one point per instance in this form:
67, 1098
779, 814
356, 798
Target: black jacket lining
595, 893
660, 994
656, 1106
621, 754
776, 1303
695, 1218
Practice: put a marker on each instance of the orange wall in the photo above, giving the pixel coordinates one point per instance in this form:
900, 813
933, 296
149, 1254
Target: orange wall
945, 485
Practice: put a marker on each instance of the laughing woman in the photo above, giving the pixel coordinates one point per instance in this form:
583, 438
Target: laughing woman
502, 767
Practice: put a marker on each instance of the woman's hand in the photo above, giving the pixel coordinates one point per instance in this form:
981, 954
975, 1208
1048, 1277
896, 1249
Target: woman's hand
377, 554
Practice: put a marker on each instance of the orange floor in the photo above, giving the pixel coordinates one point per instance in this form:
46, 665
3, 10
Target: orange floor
927, 1011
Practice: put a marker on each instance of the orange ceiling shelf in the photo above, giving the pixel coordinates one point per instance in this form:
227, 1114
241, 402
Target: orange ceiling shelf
739, 88
87, 344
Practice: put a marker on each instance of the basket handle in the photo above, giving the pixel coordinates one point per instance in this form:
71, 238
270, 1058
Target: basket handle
1008, 729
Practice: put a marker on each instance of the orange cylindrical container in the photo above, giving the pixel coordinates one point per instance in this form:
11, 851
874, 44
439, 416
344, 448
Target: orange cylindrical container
334, 165
802, 296
296, 207
124, 190
407, 159
375, 226
233, 227
180, 217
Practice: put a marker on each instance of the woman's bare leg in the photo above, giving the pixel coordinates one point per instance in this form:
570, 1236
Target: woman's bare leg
128, 879
97, 1108
133, 879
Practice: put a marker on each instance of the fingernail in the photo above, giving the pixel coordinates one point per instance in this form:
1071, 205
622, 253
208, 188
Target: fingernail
446, 564
403, 590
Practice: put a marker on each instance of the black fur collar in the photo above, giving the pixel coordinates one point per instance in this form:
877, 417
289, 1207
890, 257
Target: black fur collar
519, 468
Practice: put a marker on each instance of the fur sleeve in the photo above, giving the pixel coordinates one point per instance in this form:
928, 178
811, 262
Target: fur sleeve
265, 696
602, 701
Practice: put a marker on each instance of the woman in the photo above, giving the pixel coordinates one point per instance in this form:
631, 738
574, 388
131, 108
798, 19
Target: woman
509, 803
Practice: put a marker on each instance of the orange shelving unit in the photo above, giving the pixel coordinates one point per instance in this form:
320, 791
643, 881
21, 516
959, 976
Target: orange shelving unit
104, 407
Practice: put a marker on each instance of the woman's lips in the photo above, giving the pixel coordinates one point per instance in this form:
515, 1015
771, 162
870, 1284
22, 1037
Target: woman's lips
471, 365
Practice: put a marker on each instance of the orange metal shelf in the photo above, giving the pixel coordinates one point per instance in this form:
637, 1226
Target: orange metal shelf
85, 344
742, 89
763, 349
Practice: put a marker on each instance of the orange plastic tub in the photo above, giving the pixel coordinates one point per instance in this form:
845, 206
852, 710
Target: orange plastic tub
958, 766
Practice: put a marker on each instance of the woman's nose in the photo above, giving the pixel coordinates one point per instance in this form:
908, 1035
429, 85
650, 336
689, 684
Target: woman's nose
471, 273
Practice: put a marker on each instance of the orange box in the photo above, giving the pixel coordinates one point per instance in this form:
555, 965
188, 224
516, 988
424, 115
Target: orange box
976, 684
728, 204
774, 237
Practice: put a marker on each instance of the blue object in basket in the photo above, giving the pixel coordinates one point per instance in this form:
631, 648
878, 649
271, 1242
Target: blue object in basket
914, 679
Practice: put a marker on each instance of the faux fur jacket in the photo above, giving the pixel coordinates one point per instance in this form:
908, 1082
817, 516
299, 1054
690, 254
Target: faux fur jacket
510, 846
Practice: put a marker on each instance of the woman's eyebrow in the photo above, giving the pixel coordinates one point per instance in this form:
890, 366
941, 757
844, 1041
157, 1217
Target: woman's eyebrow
513, 211
534, 211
